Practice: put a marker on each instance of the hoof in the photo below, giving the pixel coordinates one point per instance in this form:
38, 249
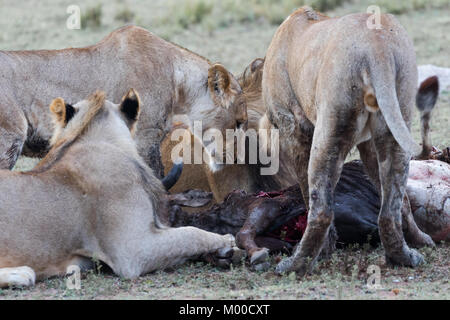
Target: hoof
259, 256
261, 267
238, 256
223, 263
225, 252
225, 257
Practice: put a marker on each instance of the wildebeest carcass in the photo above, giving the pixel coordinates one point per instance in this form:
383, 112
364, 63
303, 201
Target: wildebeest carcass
276, 221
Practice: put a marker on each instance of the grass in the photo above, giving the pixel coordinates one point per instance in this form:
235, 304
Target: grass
125, 15
242, 34
401, 7
343, 276
92, 17
220, 14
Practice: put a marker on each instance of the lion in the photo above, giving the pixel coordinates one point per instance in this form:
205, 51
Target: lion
333, 83
232, 176
92, 196
172, 81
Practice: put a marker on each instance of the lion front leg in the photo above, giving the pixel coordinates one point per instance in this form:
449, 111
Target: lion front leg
180, 244
169, 247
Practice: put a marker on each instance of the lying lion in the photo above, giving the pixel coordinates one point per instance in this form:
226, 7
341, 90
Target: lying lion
91, 196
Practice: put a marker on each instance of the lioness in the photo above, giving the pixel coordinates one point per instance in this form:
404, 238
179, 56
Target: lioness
170, 79
330, 84
91, 196
237, 176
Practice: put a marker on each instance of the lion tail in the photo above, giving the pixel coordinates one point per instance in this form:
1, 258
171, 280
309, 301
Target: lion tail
425, 101
382, 76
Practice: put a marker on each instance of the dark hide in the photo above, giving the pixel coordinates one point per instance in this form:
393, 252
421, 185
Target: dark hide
276, 220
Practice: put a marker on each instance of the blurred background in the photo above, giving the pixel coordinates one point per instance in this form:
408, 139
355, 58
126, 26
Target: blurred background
228, 31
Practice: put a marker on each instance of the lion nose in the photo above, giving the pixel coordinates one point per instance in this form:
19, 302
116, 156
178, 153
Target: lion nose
242, 124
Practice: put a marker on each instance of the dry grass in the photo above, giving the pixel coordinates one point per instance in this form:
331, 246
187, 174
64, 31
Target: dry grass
400, 7
344, 276
237, 40
125, 15
92, 17
219, 14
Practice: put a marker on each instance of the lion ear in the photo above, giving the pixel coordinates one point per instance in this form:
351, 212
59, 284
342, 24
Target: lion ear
62, 112
219, 80
130, 107
256, 64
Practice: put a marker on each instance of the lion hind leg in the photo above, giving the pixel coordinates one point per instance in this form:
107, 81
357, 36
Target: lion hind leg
413, 235
17, 277
393, 166
333, 138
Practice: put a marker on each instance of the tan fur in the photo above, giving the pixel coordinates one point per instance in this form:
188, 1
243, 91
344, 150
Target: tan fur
91, 197
330, 84
231, 177
170, 79
58, 108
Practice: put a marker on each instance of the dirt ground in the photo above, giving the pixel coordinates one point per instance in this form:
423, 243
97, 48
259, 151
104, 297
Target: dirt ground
42, 25
344, 276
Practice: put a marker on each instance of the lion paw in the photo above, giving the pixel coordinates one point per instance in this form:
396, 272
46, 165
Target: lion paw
284, 266
17, 277
300, 266
230, 240
422, 240
261, 267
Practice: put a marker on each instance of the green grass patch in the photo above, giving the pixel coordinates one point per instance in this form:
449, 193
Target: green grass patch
401, 6
92, 17
219, 14
125, 15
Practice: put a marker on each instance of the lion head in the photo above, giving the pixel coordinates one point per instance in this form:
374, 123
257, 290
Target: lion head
216, 110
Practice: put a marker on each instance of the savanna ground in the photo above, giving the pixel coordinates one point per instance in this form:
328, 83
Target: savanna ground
234, 33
